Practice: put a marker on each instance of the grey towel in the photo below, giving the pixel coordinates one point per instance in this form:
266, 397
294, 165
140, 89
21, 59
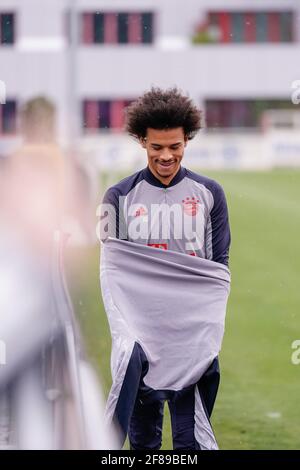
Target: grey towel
173, 306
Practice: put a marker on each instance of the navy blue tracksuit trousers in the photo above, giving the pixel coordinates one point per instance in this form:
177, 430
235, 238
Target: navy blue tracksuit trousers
145, 428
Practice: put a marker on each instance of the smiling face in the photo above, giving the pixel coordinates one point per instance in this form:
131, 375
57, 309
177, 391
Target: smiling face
165, 149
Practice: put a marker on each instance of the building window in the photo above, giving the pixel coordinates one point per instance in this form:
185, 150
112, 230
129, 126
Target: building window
246, 27
8, 117
7, 28
104, 114
117, 28
240, 113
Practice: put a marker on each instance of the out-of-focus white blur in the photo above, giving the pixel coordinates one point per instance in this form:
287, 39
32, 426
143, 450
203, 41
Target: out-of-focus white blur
50, 397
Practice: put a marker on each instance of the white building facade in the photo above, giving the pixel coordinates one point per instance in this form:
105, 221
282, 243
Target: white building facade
235, 58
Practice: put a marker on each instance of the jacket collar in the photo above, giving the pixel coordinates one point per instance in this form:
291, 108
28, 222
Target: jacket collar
151, 178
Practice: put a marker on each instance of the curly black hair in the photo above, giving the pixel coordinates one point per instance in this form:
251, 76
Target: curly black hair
162, 109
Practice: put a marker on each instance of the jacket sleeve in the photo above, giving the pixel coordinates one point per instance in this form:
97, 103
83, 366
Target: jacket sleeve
218, 231
112, 222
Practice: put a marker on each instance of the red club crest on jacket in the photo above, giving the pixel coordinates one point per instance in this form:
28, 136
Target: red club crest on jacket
190, 206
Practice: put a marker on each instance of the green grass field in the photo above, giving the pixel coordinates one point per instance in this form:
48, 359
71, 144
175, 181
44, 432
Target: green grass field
257, 405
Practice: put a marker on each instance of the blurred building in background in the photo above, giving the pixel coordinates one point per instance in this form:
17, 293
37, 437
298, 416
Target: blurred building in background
238, 60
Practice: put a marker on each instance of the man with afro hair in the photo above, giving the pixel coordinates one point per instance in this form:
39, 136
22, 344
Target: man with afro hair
163, 122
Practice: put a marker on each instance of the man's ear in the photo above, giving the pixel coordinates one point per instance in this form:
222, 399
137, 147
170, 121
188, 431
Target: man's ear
143, 142
185, 140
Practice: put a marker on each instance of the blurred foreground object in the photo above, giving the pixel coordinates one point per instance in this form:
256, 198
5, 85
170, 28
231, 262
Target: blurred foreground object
49, 394
33, 179
45, 187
